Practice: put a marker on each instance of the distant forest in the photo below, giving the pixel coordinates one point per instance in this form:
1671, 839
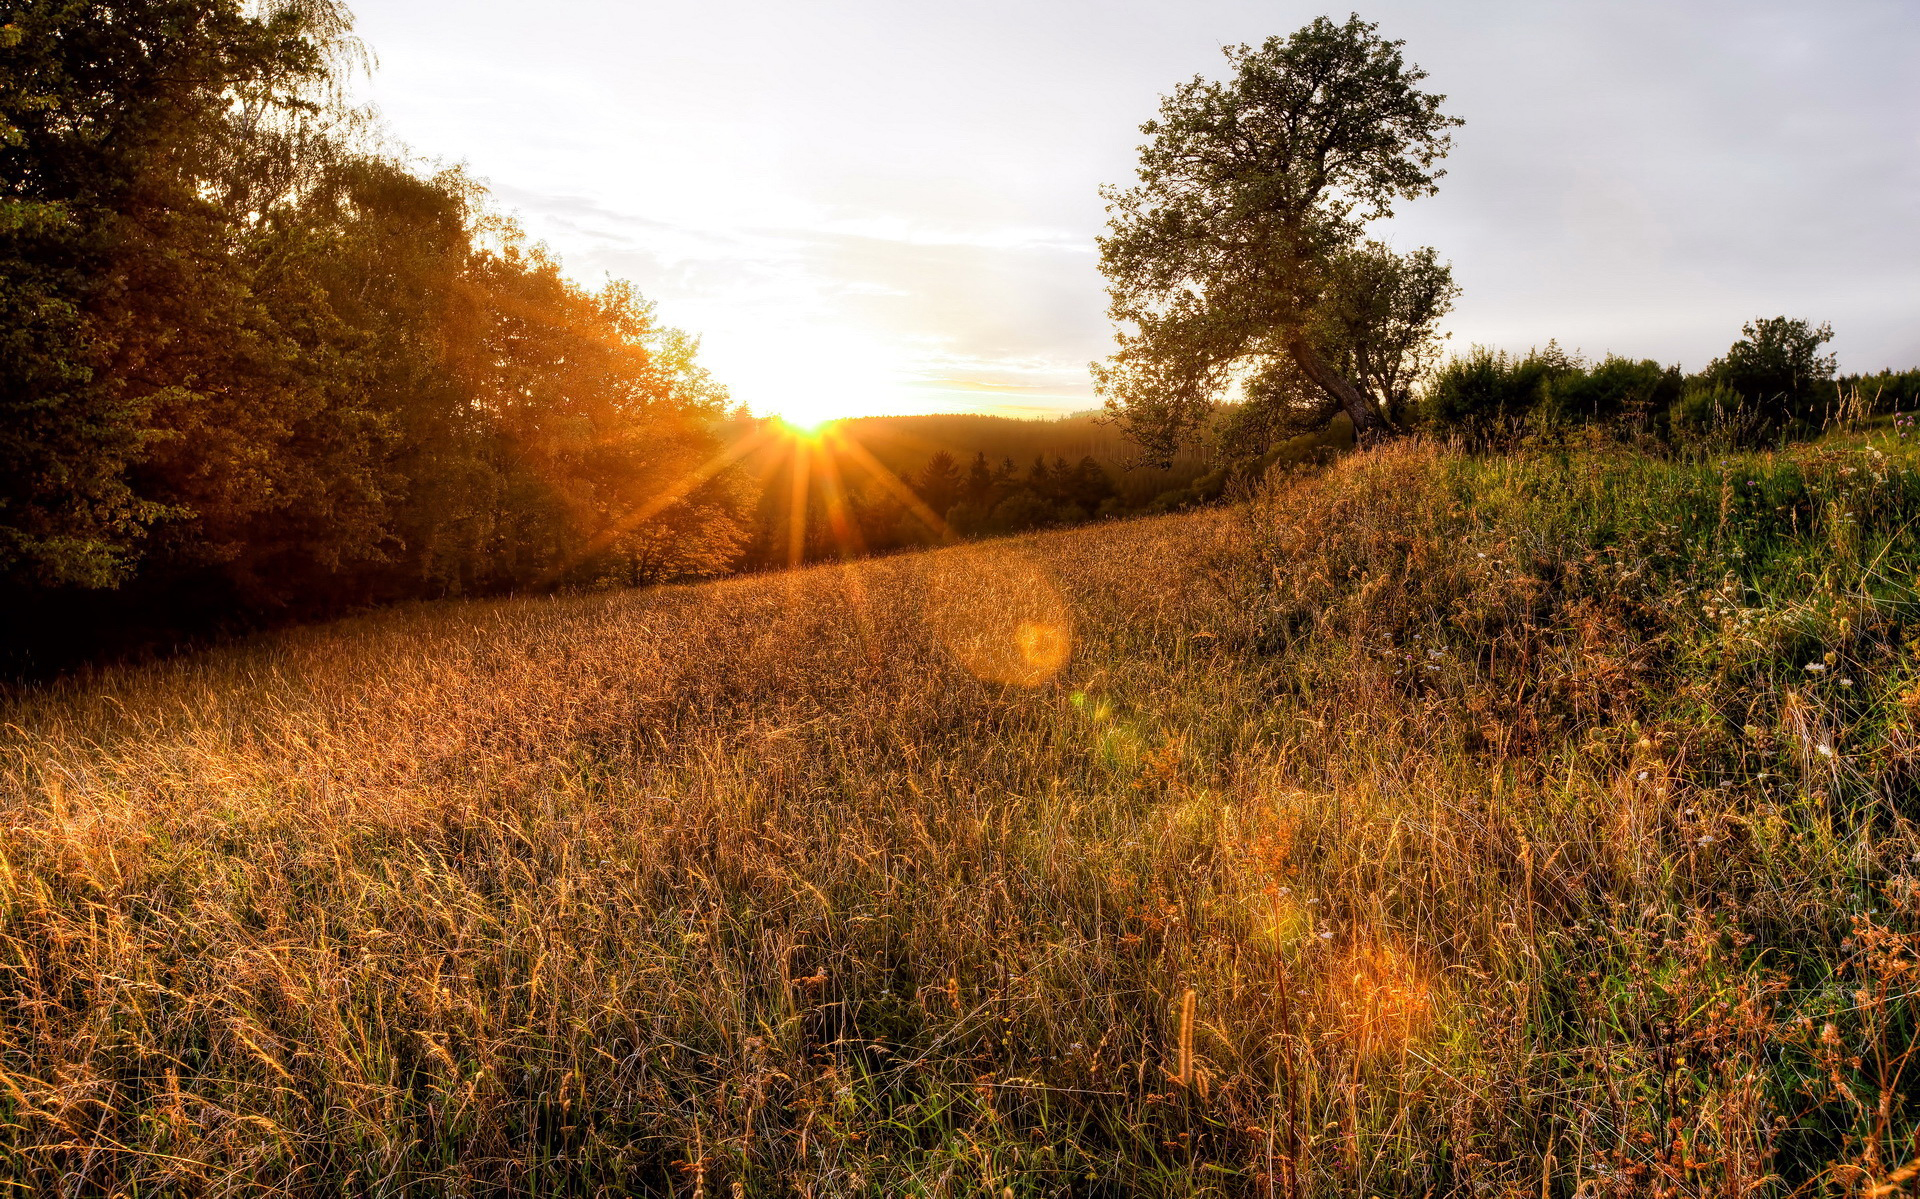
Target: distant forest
883, 483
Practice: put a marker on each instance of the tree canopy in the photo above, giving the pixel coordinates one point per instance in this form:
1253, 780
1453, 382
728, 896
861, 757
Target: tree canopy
1239, 257
251, 360
1777, 363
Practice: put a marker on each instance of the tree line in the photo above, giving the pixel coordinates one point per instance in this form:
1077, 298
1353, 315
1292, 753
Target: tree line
253, 361
1773, 383
815, 506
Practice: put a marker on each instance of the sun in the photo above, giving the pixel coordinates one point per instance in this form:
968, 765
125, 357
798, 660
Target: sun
805, 420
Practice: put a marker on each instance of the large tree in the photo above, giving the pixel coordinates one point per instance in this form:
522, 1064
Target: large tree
110, 114
1777, 366
1240, 255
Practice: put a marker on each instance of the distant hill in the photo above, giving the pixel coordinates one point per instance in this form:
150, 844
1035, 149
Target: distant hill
904, 444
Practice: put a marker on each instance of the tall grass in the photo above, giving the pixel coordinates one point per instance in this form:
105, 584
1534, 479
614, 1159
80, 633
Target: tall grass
1436, 824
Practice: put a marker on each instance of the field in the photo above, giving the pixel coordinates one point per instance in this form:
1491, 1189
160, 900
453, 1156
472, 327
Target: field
1436, 824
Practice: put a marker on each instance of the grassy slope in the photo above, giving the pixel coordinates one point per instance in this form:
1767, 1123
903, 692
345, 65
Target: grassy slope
1432, 825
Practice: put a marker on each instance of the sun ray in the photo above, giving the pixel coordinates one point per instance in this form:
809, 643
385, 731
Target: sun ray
674, 492
797, 505
846, 534
887, 479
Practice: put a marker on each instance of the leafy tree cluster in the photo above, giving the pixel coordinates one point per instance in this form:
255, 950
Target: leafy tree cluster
1487, 391
252, 362
1774, 381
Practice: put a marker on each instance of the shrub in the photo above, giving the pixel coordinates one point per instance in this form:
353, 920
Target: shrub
1488, 392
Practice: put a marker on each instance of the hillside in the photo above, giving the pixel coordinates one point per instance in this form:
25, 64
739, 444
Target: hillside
904, 445
1431, 825
905, 442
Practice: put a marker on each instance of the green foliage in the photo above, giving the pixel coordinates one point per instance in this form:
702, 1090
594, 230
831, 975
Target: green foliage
1887, 391
1776, 366
1615, 390
1240, 250
1486, 391
251, 365
110, 114
1772, 384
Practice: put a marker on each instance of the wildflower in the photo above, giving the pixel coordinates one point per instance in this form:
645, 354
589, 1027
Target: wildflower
1815, 668
1826, 751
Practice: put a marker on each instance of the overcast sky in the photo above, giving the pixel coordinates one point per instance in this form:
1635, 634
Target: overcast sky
890, 206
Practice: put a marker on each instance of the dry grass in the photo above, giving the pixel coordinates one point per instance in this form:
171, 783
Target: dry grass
1437, 825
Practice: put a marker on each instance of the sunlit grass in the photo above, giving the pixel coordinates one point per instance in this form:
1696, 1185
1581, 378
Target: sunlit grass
1434, 825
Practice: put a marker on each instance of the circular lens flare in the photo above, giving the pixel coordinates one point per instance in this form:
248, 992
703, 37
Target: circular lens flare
997, 612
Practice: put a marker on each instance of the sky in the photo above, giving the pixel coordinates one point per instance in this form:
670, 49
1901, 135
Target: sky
890, 206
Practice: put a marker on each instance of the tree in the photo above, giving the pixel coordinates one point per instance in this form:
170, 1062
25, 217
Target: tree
1039, 478
250, 364
1089, 485
1378, 320
1240, 252
112, 113
979, 484
940, 482
1776, 365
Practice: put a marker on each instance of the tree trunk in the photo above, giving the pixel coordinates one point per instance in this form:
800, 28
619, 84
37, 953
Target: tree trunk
1362, 411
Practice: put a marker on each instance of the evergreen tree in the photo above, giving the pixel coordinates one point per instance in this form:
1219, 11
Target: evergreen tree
940, 483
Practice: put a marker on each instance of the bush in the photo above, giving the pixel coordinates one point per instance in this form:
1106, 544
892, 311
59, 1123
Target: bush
1020, 511
1615, 389
1488, 391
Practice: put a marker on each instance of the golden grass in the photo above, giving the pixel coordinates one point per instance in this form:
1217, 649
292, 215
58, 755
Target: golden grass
1344, 842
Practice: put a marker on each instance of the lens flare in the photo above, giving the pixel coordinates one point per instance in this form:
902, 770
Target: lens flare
999, 614
1384, 1000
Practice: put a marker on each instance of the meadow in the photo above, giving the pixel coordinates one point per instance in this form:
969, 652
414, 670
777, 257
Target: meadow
1430, 824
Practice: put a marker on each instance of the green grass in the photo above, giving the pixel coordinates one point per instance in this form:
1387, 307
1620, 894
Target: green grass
1486, 807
